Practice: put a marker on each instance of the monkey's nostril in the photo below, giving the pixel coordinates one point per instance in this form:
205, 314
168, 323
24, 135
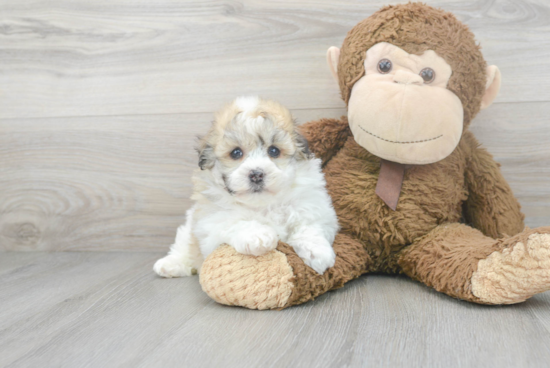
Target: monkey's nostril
256, 176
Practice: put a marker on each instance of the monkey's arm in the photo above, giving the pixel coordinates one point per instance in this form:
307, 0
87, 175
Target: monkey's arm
325, 137
491, 206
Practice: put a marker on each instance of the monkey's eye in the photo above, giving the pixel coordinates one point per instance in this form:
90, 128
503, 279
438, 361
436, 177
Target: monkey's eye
428, 74
273, 151
384, 66
236, 154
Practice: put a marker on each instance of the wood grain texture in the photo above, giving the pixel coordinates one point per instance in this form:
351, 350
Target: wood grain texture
100, 103
82, 58
123, 183
94, 309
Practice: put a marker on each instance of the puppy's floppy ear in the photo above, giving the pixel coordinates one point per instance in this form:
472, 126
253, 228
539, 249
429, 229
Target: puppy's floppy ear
206, 156
302, 147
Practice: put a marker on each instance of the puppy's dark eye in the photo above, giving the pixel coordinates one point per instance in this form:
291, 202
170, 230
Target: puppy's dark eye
273, 152
236, 154
384, 66
428, 74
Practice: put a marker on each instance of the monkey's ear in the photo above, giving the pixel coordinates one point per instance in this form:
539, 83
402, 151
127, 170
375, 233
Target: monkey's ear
206, 157
333, 54
492, 87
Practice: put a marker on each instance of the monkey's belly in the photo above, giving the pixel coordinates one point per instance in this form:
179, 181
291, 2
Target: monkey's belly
430, 195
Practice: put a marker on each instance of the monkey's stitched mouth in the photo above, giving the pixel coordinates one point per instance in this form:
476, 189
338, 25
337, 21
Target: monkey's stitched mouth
409, 142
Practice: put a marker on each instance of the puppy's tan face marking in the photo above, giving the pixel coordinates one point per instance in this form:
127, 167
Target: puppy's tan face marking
253, 146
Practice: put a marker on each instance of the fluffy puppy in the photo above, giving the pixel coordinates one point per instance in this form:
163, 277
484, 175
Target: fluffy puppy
257, 184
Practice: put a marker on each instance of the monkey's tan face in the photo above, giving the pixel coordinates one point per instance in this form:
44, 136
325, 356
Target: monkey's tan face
401, 110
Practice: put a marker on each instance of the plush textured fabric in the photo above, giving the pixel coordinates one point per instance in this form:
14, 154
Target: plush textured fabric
352, 260
519, 270
430, 195
446, 258
416, 28
457, 227
493, 86
330, 137
490, 206
461, 262
278, 279
232, 278
388, 113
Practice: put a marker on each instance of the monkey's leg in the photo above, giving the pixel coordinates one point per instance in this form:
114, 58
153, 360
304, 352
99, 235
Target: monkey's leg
462, 262
280, 278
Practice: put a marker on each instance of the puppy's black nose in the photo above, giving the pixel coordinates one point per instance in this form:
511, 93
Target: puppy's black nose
256, 176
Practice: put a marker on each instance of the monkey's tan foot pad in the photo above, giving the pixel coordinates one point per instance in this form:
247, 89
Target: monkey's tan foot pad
514, 274
232, 278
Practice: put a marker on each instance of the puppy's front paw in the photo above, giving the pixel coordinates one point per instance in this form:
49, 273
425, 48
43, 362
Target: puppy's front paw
256, 241
171, 266
316, 253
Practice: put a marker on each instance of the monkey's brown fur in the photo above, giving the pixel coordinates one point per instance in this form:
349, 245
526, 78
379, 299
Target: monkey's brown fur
450, 213
416, 28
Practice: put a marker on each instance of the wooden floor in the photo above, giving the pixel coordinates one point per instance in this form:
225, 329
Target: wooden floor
100, 103
107, 309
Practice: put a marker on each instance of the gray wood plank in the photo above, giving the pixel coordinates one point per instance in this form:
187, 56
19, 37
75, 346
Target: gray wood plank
428, 329
108, 309
82, 58
67, 297
123, 176
123, 183
17, 260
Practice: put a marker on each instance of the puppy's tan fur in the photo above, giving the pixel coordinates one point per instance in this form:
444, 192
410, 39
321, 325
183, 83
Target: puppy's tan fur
217, 139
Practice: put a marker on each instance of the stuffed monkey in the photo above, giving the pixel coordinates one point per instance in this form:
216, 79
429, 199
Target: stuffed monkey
413, 190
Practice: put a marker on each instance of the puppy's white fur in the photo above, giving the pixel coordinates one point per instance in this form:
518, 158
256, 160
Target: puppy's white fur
290, 205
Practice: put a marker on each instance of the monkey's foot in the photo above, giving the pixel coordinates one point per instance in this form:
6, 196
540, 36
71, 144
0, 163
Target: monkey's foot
280, 278
232, 278
515, 273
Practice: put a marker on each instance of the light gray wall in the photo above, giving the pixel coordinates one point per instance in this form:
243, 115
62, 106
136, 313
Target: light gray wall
100, 102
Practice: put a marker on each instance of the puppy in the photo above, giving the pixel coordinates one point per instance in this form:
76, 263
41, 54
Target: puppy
257, 184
